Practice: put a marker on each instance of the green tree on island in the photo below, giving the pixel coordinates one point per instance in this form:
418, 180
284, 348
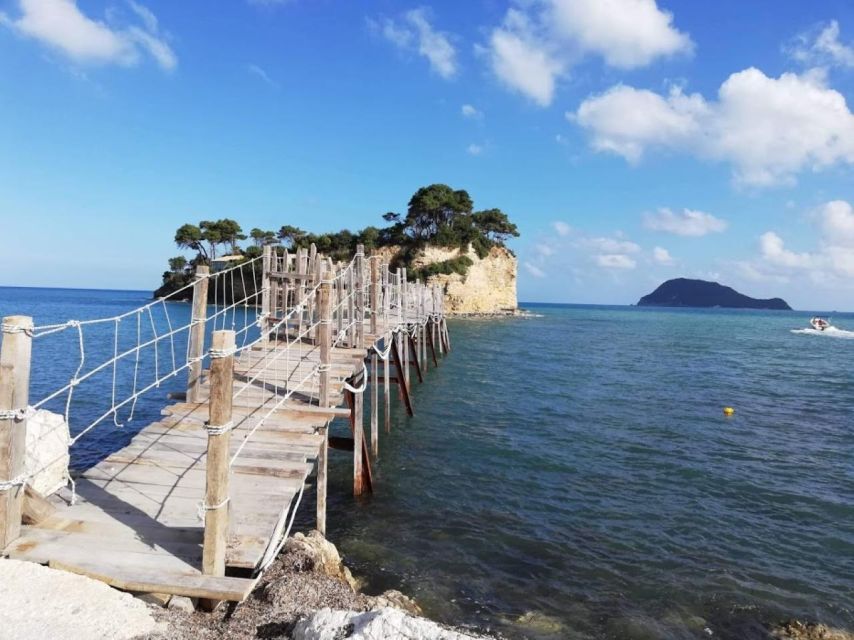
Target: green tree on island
436, 215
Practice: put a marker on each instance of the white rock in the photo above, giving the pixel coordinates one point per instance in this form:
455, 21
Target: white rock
47, 451
37, 603
181, 603
380, 624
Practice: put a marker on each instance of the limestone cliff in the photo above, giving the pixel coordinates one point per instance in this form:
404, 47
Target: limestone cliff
489, 286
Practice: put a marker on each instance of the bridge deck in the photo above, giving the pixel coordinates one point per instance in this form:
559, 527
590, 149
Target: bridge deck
136, 524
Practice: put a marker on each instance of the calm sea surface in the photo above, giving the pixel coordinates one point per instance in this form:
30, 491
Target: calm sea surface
572, 475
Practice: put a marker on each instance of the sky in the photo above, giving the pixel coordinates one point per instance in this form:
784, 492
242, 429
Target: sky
632, 141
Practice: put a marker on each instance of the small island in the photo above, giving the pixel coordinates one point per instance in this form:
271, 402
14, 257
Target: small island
684, 292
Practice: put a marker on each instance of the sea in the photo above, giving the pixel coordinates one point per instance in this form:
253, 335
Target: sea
572, 473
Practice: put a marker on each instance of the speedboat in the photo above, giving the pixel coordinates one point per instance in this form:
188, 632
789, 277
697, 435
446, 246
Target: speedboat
819, 324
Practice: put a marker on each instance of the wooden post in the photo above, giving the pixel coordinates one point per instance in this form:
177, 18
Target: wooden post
266, 267
389, 336
15, 354
217, 467
404, 297
197, 333
375, 297
357, 417
375, 360
360, 296
325, 343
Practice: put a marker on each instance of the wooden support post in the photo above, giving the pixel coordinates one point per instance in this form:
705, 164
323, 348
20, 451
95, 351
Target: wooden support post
386, 387
15, 355
217, 466
415, 361
360, 296
447, 335
266, 287
351, 307
325, 343
375, 297
357, 422
375, 409
197, 333
402, 384
430, 332
404, 301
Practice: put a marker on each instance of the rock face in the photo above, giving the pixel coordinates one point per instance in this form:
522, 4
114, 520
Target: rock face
47, 451
380, 624
37, 603
313, 552
683, 292
489, 286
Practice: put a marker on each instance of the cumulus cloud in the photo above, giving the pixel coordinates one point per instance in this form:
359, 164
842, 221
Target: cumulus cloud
562, 228
686, 223
768, 129
62, 26
469, 111
534, 270
474, 149
616, 261
831, 262
612, 245
662, 256
414, 32
820, 46
538, 41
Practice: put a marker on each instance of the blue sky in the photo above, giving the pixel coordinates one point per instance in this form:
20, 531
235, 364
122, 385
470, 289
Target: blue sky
631, 140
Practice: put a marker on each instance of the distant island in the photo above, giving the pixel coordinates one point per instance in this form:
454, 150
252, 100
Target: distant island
683, 292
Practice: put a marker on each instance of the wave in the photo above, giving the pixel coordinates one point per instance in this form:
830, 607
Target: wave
830, 332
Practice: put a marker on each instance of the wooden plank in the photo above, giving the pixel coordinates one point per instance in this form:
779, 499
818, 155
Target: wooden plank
151, 580
36, 508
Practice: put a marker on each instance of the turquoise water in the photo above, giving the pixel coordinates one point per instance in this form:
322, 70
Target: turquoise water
577, 466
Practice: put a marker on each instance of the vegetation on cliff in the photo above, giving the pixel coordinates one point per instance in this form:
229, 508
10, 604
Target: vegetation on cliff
436, 215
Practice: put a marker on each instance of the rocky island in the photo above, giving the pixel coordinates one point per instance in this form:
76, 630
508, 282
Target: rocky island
684, 292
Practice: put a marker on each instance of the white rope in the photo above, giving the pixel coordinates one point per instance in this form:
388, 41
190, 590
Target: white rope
221, 353
18, 415
218, 430
364, 386
18, 481
15, 328
203, 507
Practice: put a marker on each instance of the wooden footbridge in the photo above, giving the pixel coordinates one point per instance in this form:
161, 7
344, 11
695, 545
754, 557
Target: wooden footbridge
200, 502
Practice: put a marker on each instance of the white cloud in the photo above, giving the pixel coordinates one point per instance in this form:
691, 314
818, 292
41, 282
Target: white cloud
626, 33
259, 73
774, 251
534, 270
470, 111
769, 129
522, 61
62, 26
544, 250
413, 32
662, 256
687, 223
562, 228
539, 41
821, 47
474, 149
830, 263
615, 261
627, 121
612, 245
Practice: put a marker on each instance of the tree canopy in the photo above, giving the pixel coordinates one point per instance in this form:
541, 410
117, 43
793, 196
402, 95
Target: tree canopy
436, 215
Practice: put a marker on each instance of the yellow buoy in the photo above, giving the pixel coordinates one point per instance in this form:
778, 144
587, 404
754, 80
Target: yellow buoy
728, 411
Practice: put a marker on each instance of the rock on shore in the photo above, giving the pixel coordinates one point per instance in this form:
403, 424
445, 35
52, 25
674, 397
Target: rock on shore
378, 624
38, 603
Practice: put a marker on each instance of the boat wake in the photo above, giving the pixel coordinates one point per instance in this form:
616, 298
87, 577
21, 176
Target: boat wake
830, 332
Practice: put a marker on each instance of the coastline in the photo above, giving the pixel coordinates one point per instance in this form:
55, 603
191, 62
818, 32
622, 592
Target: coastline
307, 594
